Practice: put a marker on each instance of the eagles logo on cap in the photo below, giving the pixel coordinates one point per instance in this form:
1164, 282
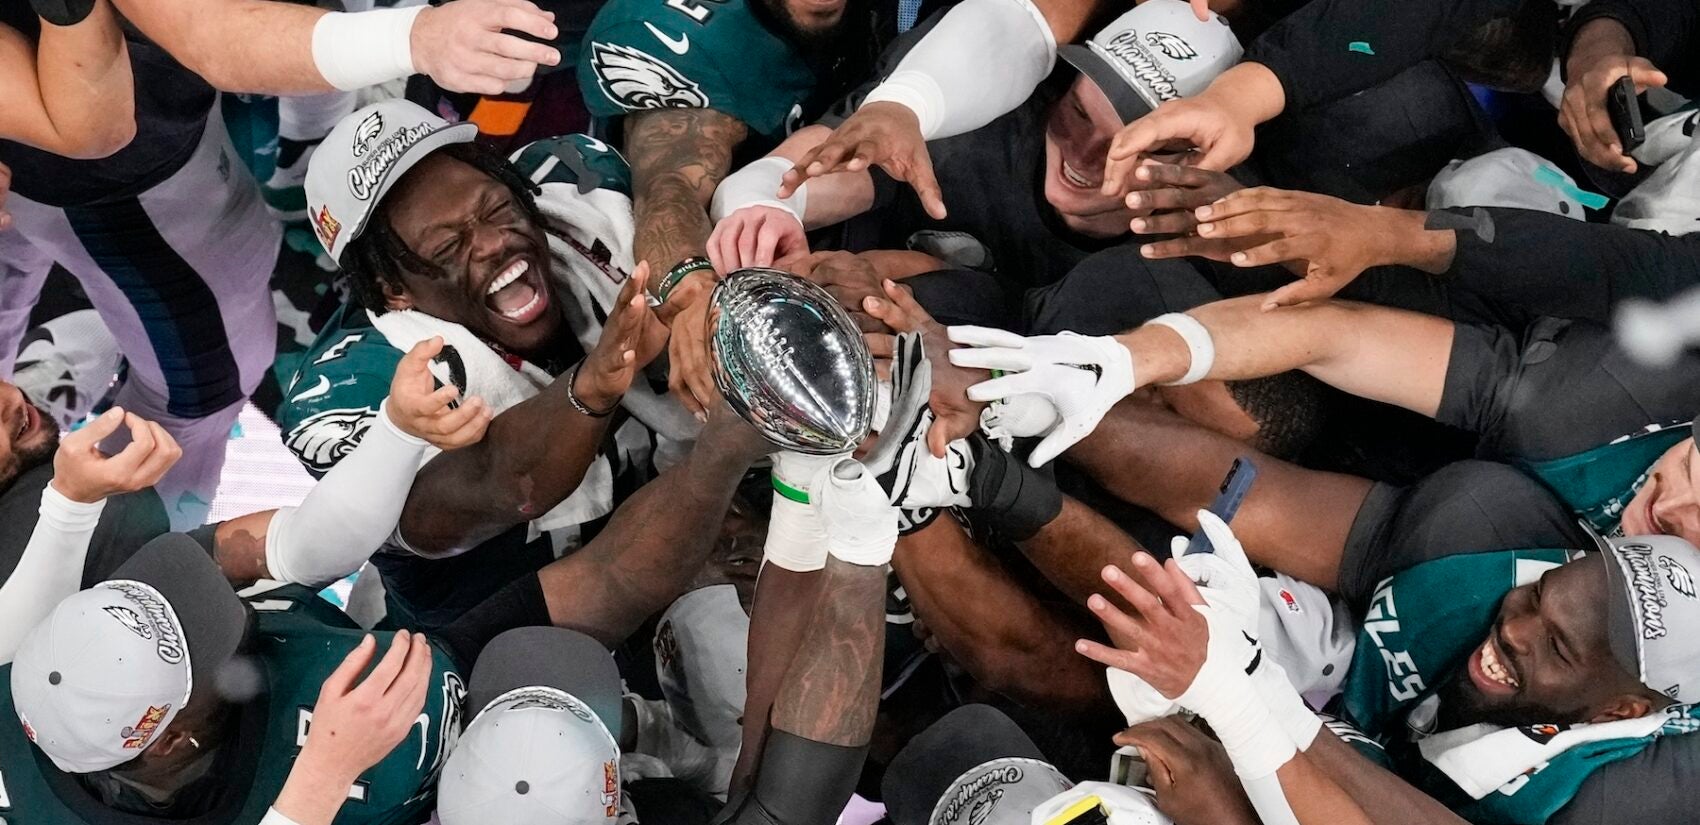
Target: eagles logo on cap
368, 131
1171, 45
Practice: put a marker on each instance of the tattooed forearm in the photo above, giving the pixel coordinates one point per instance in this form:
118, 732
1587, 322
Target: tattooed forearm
678, 157
832, 692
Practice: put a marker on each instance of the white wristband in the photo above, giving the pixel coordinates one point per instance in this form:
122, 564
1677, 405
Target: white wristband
1198, 343
1289, 710
356, 50
758, 185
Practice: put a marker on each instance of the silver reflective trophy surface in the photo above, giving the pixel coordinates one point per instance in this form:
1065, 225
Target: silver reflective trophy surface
789, 360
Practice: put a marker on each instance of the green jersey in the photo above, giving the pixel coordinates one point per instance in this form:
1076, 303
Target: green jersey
299, 639
1421, 628
696, 54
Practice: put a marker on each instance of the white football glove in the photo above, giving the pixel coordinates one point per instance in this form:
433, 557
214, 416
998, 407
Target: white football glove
913, 478
1082, 376
796, 533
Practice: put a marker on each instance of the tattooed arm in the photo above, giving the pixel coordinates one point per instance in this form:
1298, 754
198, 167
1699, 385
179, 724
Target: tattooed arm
823, 716
657, 541
678, 157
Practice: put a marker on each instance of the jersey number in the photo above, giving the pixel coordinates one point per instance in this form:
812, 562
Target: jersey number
691, 10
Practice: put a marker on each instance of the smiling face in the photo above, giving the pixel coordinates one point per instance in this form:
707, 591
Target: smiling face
28, 436
1669, 503
1078, 132
1547, 658
494, 260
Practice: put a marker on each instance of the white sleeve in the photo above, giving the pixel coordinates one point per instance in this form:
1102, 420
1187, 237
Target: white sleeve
982, 60
349, 513
50, 569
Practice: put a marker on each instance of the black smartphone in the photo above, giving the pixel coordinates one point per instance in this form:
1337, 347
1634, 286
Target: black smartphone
1625, 111
1227, 503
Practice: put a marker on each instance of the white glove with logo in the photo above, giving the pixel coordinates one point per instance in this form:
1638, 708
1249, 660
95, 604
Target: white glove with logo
1081, 376
1229, 586
912, 476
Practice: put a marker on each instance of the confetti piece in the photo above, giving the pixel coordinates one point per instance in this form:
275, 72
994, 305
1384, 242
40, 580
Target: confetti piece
1552, 177
1360, 47
236, 430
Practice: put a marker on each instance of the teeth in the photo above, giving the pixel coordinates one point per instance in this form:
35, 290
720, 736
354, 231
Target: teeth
529, 306
1494, 669
1074, 177
507, 277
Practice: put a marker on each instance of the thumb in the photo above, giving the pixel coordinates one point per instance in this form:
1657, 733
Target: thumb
926, 184
422, 352
1298, 292
1177, 546
1054, 445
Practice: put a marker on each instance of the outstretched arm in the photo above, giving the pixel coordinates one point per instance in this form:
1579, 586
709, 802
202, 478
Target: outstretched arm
286, 48
72, 94
537, 452
657, 541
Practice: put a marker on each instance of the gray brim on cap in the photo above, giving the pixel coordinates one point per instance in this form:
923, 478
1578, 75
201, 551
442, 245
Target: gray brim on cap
553, 657
213, 617
930, 764
1129, 104
1620, 619
456, 133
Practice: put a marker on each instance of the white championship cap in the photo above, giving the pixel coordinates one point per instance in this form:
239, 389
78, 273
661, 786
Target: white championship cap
543, 749
362, 157
1157, 52
108, 670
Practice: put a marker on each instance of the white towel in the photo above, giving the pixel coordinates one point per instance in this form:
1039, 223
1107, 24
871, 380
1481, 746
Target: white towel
1482, 758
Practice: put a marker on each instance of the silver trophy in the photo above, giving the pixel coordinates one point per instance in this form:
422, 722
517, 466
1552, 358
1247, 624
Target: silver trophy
789, 360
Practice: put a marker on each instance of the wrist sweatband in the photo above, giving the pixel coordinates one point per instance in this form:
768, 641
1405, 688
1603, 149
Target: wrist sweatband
274, 818
1198, 343
758, 185
983, 59
356, 50
1225, 695
678, 273
50, 569
349, 514
1016, 500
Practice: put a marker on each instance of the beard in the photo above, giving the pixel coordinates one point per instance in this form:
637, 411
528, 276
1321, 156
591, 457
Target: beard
1462, 705
822, 42
25, 459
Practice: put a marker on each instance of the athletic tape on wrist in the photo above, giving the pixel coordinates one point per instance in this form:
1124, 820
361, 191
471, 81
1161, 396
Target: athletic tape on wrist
360, 49
758, 185
796, 538
1198, 342
1224, 693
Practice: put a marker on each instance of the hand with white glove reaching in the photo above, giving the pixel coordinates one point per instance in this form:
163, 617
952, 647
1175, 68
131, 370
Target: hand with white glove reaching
1081, 376
914, 479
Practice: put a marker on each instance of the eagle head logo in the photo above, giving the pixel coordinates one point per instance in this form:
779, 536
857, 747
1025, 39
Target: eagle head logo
1678, 576
368, 133
636, 80
983, 806
1171, 45
130, 621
